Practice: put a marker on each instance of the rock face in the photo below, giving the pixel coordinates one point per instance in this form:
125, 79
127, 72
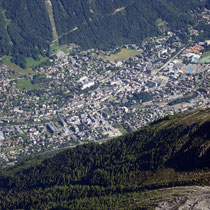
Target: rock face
196, 198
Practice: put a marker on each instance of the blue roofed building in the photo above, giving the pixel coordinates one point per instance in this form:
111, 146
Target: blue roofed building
1, 135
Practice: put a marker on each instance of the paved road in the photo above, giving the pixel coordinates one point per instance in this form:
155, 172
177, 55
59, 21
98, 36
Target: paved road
172, 58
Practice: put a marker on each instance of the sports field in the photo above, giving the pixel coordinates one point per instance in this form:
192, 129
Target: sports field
191, 68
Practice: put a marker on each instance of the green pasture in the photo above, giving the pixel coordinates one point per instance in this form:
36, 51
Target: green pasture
26, 84
205, 59
30, 62
124, 54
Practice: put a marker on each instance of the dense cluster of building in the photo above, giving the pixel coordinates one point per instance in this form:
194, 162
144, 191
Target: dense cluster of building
82, 97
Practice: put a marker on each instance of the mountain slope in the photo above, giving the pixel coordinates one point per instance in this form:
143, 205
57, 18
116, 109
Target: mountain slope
29, 27
105, 24
171, 152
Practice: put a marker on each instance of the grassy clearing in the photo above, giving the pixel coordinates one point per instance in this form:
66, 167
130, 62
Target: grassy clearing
24, 136
30, 62
10, 65
206, 53
10, 149
54, 47
6, 60
7, 22
66, 50
123, 54
26, 84
122, 130
50, 12
205, 59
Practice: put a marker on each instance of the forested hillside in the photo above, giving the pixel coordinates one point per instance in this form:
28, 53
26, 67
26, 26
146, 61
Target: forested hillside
174, 151
105, 24
26, 29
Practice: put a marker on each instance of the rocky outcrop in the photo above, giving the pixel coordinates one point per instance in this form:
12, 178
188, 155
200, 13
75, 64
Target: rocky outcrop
194, 198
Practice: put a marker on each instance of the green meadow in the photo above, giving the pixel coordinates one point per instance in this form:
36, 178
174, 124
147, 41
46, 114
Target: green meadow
30, 62
124, 54
26, 84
